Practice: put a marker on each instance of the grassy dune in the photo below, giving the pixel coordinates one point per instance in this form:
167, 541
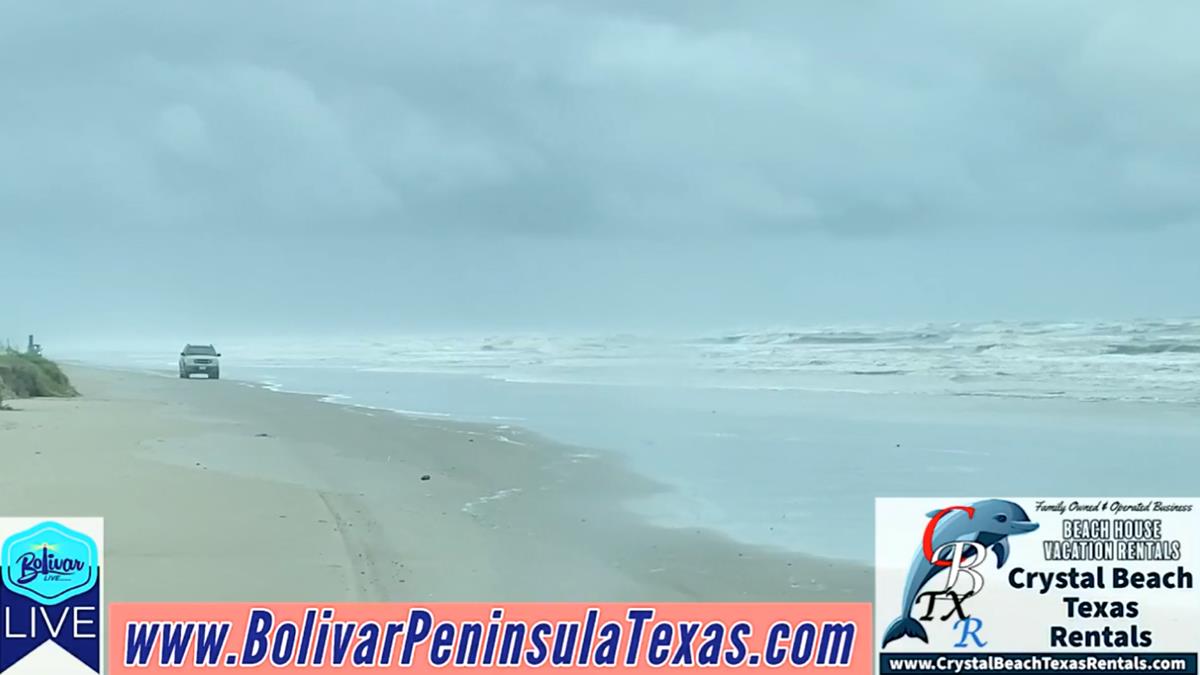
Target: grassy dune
30, 375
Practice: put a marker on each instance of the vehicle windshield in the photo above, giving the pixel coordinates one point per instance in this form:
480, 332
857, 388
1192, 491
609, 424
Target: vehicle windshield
199, 351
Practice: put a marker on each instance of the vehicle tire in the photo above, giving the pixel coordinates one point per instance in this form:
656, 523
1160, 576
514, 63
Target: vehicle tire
215, 375
183, 375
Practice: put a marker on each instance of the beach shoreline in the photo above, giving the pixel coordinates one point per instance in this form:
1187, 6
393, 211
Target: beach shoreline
225, 490
791, 469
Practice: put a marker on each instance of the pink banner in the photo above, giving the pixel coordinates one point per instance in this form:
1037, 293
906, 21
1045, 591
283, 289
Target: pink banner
182, 637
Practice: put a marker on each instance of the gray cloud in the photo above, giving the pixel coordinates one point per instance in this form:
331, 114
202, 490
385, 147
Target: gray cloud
559, 117
208, 169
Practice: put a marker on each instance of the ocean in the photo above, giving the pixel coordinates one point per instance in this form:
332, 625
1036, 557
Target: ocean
782, 438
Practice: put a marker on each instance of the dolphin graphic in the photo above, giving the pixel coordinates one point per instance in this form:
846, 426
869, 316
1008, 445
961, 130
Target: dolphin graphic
994, 520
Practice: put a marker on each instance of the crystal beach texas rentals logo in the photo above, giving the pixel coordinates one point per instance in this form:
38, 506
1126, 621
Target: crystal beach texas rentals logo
50, 595
1036, 585
956, 541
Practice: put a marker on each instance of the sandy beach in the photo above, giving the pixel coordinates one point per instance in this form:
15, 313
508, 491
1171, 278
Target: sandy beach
219, 490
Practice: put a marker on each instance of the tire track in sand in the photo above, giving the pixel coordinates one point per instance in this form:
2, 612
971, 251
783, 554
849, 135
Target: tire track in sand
364, 580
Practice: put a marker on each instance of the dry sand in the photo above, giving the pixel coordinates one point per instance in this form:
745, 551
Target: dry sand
219, 490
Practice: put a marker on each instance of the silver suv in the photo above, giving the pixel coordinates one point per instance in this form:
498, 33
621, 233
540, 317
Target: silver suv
199, 359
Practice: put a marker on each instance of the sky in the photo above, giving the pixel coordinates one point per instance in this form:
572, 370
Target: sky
313, 167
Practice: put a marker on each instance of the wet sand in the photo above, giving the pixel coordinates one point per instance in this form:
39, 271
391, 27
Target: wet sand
219, 490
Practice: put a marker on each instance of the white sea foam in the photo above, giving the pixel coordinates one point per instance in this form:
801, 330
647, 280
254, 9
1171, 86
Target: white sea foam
718, 417
472, 506
1148, 360
1140, 360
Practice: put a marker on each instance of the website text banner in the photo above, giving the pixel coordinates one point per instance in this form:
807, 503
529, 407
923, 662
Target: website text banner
1037, 585
181, 637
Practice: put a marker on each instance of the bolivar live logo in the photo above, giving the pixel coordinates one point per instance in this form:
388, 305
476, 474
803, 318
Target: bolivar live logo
50, 596
956, 541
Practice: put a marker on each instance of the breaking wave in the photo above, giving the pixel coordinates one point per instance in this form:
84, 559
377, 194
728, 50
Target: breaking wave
1155, 348
827, 338
1150, 361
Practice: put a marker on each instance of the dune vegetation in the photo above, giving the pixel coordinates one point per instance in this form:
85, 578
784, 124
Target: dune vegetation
26, 375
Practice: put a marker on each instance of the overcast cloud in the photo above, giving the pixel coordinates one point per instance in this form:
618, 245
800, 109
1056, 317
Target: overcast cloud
683, 142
